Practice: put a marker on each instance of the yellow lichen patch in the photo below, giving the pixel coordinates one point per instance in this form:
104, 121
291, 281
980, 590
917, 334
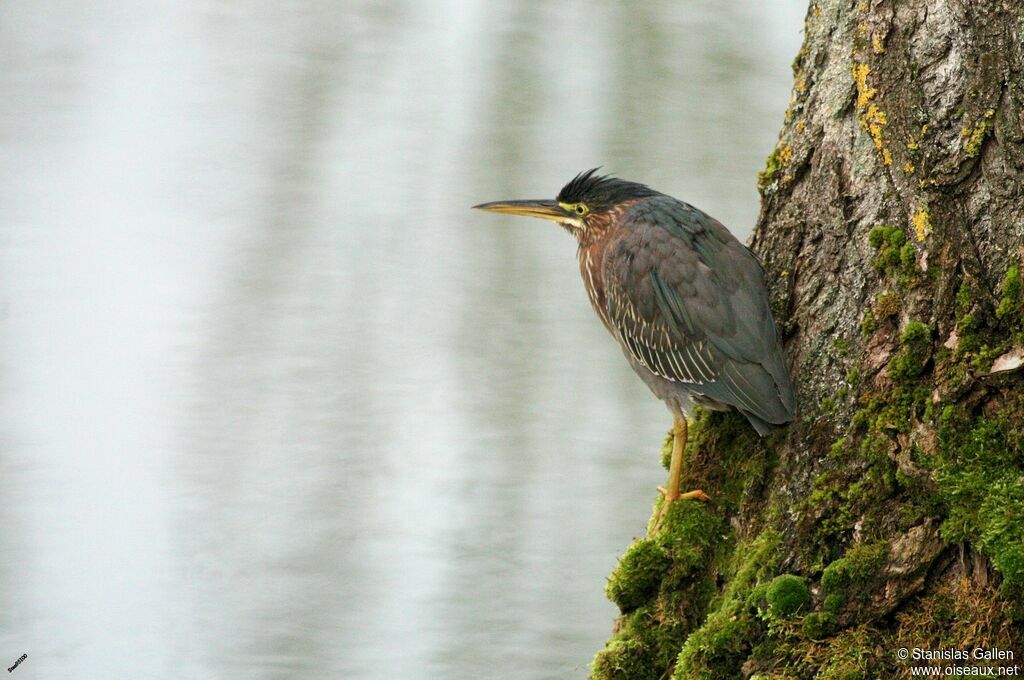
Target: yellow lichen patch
922, 225
865, 93
872, 118
876, 115
777, 162
785, 154
800, 125
862, 7
876, 44
908, 167
976, 136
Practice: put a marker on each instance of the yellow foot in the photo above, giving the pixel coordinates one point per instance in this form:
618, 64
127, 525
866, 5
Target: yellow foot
695, 495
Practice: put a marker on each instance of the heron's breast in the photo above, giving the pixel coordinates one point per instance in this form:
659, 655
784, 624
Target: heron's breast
592, 270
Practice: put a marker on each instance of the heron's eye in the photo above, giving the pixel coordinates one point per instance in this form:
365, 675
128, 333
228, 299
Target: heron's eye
581, 209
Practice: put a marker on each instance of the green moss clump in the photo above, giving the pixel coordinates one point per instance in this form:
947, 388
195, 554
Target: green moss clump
636, 579
818, 625
887, 241
894, 254
908, 255
1010, 302
786, 594
666, 584
624, 659
718, 648
859, 565
663, 585
868, 324
657, 630
885, 234
979, 470
887, 305
715, 650
838, 449
858, 476
729, 455
979, 345
915, 332
963, 299
967, 327
778, 159
833, 603
771, 167
915, 351
752, 562
689, 529
984, 356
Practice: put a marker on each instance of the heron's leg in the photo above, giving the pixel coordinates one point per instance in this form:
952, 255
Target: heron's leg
675, 472
675, 468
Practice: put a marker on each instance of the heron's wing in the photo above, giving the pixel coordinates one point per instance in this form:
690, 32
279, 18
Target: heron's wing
689, 303
652, 325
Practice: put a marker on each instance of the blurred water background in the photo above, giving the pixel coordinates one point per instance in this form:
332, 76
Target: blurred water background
273, 401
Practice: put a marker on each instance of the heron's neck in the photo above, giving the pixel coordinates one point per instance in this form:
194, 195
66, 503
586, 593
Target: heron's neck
591, 258
600, 225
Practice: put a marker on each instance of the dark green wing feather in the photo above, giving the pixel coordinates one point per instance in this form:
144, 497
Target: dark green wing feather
689, 304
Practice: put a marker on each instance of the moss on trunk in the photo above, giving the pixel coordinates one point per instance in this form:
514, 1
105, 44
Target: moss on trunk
891, 513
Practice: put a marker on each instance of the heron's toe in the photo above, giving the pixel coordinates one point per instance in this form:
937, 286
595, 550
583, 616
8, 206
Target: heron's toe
696, 495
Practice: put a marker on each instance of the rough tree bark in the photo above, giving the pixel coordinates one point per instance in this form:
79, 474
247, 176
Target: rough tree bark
891, 513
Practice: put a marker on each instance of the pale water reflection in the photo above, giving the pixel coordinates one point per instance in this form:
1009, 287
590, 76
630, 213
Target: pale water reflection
273, 401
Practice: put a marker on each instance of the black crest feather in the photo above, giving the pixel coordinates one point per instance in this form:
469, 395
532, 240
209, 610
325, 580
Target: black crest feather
601, 192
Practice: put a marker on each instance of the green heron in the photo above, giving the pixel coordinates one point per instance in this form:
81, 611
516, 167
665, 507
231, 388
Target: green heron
684, 299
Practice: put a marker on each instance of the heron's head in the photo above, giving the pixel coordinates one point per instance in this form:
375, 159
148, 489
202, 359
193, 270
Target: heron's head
586, 203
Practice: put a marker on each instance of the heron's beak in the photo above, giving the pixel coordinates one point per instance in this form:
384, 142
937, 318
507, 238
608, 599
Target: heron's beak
546, 210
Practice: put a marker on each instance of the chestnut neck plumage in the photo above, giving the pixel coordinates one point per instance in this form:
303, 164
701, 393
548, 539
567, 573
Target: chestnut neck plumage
593, 241
600, 224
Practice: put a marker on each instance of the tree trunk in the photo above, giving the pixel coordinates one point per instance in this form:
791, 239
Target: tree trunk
890, 514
